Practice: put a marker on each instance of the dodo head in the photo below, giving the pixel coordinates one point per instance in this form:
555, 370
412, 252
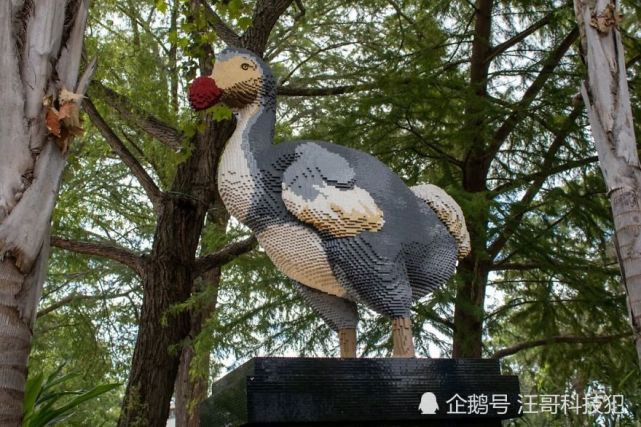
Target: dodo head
240, 78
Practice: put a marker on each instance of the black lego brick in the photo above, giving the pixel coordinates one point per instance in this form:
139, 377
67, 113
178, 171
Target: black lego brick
354, 392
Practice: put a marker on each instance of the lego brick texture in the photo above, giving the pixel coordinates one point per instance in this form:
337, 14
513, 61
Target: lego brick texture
374, 392
333, 219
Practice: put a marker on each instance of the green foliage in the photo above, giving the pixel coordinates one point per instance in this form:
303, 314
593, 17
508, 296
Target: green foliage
220, 112
47, 402
555, 275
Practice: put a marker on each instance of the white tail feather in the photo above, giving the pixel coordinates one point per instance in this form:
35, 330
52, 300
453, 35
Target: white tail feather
448, 211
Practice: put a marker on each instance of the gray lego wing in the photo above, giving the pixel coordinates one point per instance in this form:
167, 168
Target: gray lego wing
319, 189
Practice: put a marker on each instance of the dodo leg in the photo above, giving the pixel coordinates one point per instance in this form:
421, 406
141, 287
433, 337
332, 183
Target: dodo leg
373, 270
402, 337
347, 342
339, 313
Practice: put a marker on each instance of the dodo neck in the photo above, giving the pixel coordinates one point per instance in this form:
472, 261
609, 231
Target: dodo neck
255, 128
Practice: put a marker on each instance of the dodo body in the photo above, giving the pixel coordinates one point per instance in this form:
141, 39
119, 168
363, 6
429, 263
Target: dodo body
335, 220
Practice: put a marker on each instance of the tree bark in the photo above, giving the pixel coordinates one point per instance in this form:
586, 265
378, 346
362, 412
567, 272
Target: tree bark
41, 46
167, 280
191, 390
606, 96
468, 312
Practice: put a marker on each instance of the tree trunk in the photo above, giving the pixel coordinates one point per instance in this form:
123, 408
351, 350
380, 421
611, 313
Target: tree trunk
468, 314
169, 275
168, 280
40, 46
470, 294
191, 390
607, 99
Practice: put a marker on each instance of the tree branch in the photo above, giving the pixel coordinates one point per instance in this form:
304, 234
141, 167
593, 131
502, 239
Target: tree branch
321, 91
301, 10
431, 315
516, 303
519, 209
531, 93
265, 16
516, 266
102, 249
400, 13
524, 266
147, 122
221, 29
223, 256
336, 90
500, 48
147, 183
311, 56
545, 174
560, 339
434, 147
77, 297
633, 61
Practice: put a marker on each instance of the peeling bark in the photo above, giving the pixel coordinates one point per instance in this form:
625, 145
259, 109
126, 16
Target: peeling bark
16, 157
607, 99
41, 45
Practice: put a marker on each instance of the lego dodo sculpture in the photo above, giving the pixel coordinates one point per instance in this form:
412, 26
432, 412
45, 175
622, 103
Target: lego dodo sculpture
335, 220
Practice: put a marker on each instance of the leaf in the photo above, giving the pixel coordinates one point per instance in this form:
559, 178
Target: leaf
161, 5
172, 37
57, 414
42, 396
69, 113
76, 131
32, 391
233, 7
67, 134
244, 22
220, 112
53, 121
53, 379
64, 123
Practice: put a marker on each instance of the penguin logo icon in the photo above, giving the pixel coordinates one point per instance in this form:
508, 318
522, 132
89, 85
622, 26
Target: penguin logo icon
428, 405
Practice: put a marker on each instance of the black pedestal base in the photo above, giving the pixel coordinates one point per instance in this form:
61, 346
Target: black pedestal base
362, 392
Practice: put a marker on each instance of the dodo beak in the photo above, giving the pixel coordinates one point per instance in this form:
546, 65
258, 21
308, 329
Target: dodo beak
203, 93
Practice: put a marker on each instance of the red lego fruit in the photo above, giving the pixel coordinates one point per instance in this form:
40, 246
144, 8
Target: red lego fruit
203, 93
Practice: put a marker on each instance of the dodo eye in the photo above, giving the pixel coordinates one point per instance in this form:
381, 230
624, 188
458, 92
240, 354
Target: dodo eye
245, 66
